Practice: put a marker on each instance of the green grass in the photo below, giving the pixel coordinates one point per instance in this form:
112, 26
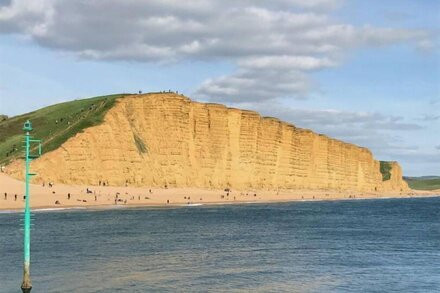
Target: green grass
54, 124
385, 169
423, 183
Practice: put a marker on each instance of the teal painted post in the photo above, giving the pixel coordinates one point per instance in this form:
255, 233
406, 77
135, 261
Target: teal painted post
26, 286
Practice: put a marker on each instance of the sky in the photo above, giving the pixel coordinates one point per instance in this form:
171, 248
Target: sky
366, 72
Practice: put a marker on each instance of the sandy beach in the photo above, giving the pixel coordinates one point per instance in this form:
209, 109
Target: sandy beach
57, 196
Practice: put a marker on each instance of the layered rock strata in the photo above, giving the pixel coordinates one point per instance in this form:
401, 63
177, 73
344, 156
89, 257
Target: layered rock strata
168, 140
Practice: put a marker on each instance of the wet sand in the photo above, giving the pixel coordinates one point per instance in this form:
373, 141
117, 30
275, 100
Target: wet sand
45, 197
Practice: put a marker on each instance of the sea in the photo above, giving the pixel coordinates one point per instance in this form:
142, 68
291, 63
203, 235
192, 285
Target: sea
386, 245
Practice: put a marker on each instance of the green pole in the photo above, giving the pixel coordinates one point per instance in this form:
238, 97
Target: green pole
26, 286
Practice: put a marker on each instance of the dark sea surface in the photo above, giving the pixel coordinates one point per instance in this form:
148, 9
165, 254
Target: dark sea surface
388, 245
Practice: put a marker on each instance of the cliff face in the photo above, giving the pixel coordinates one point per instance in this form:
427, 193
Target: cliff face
396, 181
166, 139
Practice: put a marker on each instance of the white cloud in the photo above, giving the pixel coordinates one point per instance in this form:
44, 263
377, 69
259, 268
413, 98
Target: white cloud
430, 117
301, 63
273, 43
328, 121
255, 85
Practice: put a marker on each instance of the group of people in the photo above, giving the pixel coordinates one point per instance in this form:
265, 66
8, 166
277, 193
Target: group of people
6, 196
50, 184
103, 183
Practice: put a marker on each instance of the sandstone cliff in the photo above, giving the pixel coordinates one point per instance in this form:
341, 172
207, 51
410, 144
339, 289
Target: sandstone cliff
168, 140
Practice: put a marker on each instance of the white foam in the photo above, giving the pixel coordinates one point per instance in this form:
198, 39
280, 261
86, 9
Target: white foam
48, 209
10, 211
57, 209
192, 205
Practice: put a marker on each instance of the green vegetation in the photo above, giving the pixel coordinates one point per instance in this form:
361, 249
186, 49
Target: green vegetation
54, 124
423, 183
142, 148
385, 169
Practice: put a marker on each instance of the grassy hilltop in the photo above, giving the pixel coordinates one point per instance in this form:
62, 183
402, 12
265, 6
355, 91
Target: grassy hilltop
54, 124
424, 182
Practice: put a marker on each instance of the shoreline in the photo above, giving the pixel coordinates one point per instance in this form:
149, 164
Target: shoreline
66, 197
108, 207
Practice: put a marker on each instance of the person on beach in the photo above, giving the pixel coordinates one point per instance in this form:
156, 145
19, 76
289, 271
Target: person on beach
15, 197
6, 196
68, 196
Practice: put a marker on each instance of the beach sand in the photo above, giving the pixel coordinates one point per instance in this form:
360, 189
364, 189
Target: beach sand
43, 197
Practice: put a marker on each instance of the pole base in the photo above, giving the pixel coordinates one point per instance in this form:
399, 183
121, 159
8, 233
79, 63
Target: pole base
26, 290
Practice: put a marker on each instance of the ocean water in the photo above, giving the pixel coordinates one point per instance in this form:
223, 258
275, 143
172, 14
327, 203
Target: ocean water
390, 245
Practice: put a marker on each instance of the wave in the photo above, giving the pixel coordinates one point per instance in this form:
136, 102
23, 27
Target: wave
10, 211
58, 209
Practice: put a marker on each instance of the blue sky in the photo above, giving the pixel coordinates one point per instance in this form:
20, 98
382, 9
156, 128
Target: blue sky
366, 72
